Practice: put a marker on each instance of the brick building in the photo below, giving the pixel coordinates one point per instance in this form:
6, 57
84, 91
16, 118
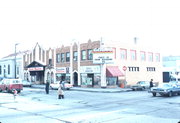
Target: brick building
76, 65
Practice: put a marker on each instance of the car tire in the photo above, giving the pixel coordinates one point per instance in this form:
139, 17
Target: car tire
154, 94
170, 94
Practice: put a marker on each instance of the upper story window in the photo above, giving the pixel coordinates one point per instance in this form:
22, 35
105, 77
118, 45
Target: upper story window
39, 53
157, 57
50, 61
0, 70
143, 56
123, 54
58, 58
150, 57
90, 55
75, 55
83, 55
133, 55
67, 57
114, 51
8, 69
62, 57
17, 70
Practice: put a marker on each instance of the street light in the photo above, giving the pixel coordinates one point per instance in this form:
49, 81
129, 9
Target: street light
15, 61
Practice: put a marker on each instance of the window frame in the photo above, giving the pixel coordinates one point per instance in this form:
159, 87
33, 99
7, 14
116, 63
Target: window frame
90, 55
75, 55
150, 56
62, 57
123, 54
58, 58
133, 55
143, 58
83, 56
67, 56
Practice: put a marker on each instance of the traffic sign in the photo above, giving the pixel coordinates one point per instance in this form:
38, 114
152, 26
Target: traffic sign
124, 68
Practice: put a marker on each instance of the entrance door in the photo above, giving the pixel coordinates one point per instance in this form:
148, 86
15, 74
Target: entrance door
75, 75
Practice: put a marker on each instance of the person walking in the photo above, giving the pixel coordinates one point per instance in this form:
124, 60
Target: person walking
47, 87
15, 94
60, 92
151, 84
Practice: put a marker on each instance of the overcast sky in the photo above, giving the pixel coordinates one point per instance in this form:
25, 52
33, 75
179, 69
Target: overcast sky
56, 22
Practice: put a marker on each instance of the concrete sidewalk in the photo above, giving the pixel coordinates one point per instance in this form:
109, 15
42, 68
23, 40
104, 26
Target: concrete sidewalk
100, 90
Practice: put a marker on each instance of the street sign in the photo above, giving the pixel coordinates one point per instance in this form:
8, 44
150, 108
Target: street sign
124, 68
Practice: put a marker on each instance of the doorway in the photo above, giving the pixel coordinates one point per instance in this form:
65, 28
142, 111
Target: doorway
75, 75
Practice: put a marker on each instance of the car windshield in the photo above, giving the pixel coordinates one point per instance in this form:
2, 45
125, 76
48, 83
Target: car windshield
164, 85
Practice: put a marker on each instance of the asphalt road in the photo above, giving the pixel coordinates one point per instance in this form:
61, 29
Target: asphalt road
34, 106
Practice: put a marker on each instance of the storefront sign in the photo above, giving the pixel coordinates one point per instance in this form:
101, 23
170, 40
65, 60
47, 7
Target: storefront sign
103, 56
90, 69
36, 69
62, 70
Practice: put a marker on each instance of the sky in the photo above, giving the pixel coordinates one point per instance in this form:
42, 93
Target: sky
52, 23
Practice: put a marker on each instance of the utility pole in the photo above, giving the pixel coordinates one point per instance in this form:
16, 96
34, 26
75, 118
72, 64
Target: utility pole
15, 61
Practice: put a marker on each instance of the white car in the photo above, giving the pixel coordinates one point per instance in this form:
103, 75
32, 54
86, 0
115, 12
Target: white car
141, 85
54, 85
65, 85
26, 83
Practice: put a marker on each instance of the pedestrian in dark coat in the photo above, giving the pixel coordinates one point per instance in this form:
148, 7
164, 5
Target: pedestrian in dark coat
151, 83
47, 87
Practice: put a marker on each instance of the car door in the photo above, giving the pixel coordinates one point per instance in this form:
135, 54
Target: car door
2, 85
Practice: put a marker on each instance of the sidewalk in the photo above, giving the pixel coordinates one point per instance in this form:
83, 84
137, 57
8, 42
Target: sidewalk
100, 90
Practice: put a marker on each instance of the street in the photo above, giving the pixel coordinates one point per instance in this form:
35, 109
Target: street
33, 106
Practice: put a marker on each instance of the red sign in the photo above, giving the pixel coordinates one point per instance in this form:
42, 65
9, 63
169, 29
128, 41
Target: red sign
124, 68
36, 69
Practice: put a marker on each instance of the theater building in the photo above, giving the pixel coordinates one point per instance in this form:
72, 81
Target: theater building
38, 65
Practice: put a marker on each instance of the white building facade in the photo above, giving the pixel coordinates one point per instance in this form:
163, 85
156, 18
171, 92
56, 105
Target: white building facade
7, 66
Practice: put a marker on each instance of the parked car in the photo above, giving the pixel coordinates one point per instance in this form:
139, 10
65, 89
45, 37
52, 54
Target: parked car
65, 85
165, 89
177, 83
140, 85
10, 84
26, 83
2, 86
54, 85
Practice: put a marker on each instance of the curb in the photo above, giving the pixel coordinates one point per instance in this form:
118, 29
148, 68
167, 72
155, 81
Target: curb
90, 90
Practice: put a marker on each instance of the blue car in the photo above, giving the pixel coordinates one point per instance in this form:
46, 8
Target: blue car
165, 89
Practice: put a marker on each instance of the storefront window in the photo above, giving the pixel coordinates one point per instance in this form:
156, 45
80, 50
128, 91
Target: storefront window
83, 79
97, 79
58, 77
111, 80
67, 78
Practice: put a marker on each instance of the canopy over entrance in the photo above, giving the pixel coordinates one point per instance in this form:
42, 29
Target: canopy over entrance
113, 71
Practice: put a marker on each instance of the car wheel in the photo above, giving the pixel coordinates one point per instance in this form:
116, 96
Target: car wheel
170, 94
144, 88
154, 94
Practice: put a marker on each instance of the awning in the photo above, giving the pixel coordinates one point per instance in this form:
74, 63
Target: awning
113, 71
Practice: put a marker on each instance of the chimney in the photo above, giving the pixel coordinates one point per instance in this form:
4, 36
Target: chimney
135, 40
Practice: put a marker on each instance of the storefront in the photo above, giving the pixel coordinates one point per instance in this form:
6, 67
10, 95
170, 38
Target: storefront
112, 75
36, 71
90, 75
62, 74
